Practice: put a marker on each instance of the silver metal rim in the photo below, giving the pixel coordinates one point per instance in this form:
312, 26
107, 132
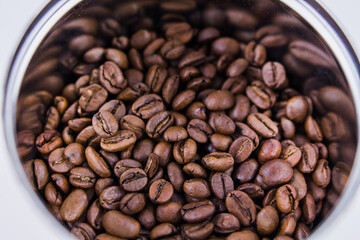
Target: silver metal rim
310, 10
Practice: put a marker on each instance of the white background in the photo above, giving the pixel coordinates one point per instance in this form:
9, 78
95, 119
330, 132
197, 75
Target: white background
19, 219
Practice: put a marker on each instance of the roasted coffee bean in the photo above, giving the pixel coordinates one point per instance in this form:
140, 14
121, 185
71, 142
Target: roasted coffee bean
286, 198
255, 54
112, 78
105, 124
110, 197
48, 141
219, 100
176, 176
82, 177
124, 165
119, 142
308, 208
110, 158
97, 163
308, 159
184, 151
225, 223
191, 59
147, 105
158, 123
52, 119
241, 109
147, 216
132, 203
302, 231
161, 191
224, 124
197, 211
169, 212
262, 96
267, 221
291, 154
116, 107
220, 141
155, 78
197, 188
274, 75
195, 170
41, 174
188, 73
133, 123
241, 148
199, 130
118, 57
92, 98
52, 195
287, 127
299, 183
263, 125
61, 182
274, 173
152, 165
58, 162
225, 45
95, 214
75, 152
322, 173
183, 99
175, 134
241, 206
218, 161
78, 124
246, 171
270, 149
74, 205
297, 108
221, 184
254, 191
196, 110
162, 230
120, 225
103, 183
83, 231
243, 235
133, 179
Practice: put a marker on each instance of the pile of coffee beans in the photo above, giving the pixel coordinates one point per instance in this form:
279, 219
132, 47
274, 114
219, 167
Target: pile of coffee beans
177, 128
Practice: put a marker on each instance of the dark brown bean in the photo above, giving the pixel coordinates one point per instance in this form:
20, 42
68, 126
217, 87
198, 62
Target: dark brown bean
240, 205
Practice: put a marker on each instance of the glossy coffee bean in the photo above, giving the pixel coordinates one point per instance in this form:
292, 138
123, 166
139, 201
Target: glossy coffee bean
270, 149
147, 105
120, 225
184, 151
221, 184
246, 171
197, 211
262, 125
92, 98
199, 130
286, 198
321, 174
105, 124
110, 197
213, 102
241, 148
197, 188
134, 179
160, 191
97, 163
82, 177
132, 203
158, 123
218, 161
274, 173
240, 205
121, 141
74, 205
169, 212
267, 221
112, 77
